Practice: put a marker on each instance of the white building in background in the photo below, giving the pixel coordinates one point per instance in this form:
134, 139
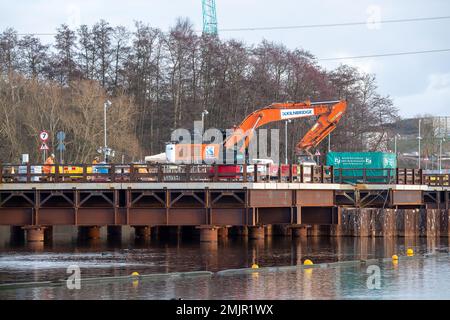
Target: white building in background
375, 140
442, 127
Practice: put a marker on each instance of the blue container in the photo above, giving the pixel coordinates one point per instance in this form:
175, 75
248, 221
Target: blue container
100, 169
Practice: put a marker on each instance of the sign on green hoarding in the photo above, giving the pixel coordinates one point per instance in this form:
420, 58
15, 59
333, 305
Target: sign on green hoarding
349, 166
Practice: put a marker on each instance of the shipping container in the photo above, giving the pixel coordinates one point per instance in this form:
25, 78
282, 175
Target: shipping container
363, 167
192, 153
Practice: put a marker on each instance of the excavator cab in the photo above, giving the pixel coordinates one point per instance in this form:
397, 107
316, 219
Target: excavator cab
306, 160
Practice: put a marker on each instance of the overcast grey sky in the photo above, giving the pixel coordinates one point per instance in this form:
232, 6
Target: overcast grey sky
419, 84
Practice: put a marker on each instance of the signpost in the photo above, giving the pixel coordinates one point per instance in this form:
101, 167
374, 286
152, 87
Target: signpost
318, 154
43, 136
61, 147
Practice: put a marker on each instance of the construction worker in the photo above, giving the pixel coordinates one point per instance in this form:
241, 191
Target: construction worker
47, 169
96, 160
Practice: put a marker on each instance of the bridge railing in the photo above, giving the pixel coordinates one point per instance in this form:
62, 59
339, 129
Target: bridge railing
272, 173
378, 176
39, 173
73, 173
364, 176
410, 176
442, 180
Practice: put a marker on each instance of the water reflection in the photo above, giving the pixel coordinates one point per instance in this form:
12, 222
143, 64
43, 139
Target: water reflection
123, 255
410, 279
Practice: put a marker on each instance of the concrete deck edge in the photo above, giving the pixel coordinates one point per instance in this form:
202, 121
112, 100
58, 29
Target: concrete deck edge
214, 186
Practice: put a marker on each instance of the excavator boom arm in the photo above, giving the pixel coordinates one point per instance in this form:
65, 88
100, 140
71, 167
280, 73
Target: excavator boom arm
329, 114
324, 126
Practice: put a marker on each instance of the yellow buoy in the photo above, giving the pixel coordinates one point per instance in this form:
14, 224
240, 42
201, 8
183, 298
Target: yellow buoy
255, 266
395, 257
307, 262
410, 252
308, 272
135, 274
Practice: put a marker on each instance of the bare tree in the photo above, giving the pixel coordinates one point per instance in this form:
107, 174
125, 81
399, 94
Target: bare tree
64, 59
102, 34
9, 56
120, 51
86, 53
160, 81
33, 56
179, 44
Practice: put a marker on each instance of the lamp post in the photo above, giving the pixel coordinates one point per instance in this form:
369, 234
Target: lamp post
204, 113
396, 144
420, 138
440, 154
105, 148
286, 140
329, 142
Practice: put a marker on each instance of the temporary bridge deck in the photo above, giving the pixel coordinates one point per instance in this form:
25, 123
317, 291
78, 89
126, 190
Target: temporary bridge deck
146, 195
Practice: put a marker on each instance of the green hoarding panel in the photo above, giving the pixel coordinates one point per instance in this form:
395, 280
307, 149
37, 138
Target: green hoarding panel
380, 166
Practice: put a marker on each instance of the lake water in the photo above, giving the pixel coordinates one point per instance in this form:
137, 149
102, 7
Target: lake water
421, 278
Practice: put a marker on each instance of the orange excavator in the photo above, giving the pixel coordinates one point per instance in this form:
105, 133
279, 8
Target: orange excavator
329, 113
